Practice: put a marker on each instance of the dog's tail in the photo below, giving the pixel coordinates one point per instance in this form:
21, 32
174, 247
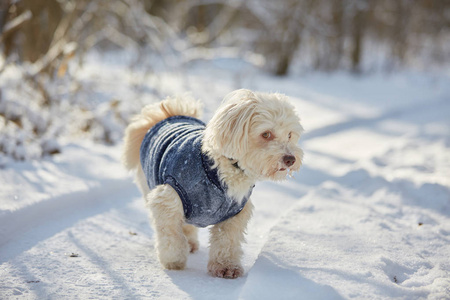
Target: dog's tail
150, 115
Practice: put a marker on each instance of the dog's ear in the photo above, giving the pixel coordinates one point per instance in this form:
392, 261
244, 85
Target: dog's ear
228, 130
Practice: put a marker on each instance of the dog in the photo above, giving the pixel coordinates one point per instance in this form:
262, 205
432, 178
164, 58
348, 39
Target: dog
195, 175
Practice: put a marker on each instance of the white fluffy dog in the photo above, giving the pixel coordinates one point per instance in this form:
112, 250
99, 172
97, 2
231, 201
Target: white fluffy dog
192, 175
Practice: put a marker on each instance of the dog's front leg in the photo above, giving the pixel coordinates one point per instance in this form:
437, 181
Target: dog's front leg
225, 245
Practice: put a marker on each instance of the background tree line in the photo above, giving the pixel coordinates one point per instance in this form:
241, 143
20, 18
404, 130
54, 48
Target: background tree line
326, 35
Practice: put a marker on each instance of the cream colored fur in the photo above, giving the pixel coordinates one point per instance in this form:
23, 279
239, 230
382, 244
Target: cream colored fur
258, 131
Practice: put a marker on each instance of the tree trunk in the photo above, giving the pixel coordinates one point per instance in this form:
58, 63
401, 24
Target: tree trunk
358, 24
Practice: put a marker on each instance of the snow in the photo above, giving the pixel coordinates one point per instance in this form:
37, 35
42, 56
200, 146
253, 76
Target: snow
368, 215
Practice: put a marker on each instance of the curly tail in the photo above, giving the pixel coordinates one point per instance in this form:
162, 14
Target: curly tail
151, 114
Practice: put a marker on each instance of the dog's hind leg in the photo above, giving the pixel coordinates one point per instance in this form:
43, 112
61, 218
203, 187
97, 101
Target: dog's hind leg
168, 218
190, 232
225, 250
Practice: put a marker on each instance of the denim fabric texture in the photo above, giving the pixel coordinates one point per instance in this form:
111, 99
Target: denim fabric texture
171, 154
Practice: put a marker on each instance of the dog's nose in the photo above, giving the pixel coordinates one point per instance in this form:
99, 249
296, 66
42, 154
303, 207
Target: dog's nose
289, 160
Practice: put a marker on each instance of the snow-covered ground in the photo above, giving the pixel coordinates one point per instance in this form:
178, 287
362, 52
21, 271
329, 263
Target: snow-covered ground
367, 217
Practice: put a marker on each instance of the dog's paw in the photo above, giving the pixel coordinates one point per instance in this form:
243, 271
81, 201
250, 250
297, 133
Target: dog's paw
173, 260
193, 246
225, 271
176, 265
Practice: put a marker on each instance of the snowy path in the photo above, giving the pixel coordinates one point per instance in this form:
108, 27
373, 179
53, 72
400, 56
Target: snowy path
121, 265
368, 216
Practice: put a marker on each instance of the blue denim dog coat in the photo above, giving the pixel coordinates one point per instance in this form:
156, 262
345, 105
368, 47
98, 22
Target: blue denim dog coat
171, 154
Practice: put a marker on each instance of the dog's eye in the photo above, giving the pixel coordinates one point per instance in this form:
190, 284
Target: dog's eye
290, 134
267, 135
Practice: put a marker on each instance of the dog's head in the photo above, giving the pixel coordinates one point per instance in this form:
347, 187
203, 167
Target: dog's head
258, 130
